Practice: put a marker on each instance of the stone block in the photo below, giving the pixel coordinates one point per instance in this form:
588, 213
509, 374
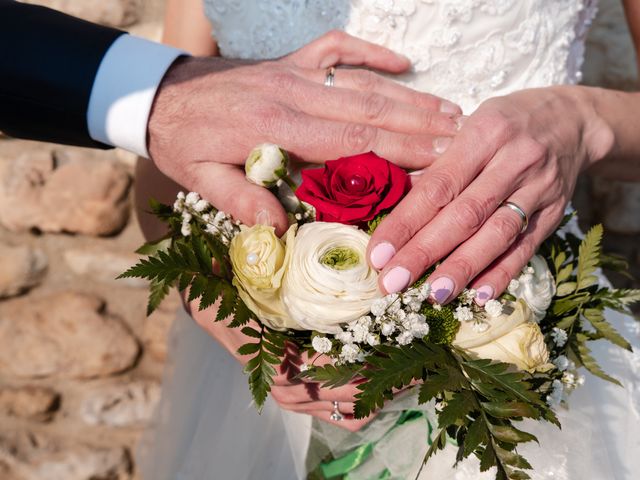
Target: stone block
90, 198
30, 402
120, 405
22, 267
64, 335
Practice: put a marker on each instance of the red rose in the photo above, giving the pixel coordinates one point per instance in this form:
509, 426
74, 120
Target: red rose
353, 190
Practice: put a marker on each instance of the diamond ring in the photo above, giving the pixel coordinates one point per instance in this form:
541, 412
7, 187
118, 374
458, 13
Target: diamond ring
336, 416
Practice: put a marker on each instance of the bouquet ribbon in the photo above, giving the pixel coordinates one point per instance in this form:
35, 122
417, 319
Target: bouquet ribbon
343, 465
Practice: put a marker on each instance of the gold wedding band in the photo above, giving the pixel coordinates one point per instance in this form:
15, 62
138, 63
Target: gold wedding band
330, 77
521, 213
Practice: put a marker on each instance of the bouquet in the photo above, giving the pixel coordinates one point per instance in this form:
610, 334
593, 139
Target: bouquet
485, 368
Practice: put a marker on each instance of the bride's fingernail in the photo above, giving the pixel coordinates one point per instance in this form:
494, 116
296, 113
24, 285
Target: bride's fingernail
441, 144
483, 295
449, 107
441, 289
416, 173
460, 121
263, 217
396, 280
381, 254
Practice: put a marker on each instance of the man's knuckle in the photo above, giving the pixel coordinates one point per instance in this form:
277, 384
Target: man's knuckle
270, 118
428, 121
365, 80
283, 81
358, 138
375, 107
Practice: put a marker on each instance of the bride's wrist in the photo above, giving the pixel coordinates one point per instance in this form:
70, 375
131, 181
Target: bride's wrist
597, 133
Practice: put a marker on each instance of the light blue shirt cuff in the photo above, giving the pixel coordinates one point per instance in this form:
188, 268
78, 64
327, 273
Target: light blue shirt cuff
124, 89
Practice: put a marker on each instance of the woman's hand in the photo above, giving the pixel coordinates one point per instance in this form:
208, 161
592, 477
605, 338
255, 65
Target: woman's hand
526, 148
288, 391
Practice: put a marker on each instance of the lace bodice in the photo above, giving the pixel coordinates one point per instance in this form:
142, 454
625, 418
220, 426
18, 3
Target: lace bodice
463, 50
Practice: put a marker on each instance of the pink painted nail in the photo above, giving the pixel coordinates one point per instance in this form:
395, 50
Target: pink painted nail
484, 294
381, 254
441, 144
396, 280
449, 107
441, 289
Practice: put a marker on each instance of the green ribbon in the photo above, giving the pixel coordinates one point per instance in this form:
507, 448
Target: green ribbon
342, 466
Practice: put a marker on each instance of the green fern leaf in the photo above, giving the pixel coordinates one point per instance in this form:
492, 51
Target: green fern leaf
157, 292
583, 354
595, 316
589, 257
330, 376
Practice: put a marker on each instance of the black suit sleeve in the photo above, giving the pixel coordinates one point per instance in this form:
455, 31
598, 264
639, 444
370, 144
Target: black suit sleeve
48, 63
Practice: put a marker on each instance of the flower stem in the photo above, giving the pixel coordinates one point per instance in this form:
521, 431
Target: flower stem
289, 181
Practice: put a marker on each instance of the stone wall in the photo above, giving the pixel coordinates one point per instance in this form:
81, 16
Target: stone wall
80, 364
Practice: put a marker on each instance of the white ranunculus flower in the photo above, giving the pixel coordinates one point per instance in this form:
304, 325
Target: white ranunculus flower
328, 280
266, 164
536, 286
512, 337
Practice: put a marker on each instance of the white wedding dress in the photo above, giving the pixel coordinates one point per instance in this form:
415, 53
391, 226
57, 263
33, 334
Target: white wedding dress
463, 50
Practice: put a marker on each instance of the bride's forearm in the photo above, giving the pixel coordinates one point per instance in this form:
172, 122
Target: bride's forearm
613, 132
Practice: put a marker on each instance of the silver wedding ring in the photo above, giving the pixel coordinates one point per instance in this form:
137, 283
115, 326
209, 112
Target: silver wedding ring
330, 77
520, 212
336, 416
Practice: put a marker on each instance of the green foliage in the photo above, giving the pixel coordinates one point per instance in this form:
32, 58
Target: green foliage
589, 258
443, 327
188, 264
267, 353
480, 400
330, 376
579, 304
375, 223
394, 367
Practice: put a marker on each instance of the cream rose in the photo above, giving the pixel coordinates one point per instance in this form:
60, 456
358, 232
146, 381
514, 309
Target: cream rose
259, 260
536, 286
328, 280
512, 337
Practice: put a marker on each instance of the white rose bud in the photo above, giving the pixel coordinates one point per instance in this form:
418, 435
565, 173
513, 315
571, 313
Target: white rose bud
266, 164
536, 287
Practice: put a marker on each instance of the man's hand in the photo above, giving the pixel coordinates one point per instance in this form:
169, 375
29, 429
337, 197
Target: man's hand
210, 112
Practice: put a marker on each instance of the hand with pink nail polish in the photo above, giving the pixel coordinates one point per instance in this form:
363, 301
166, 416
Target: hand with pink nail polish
525, 148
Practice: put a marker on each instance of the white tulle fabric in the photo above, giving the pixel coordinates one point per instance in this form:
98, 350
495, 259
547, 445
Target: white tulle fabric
464, 50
